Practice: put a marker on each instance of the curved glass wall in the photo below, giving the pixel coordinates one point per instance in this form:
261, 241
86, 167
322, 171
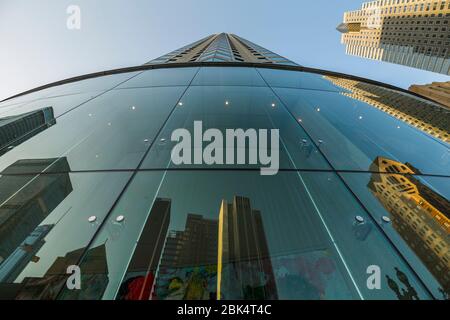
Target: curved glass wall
86, 179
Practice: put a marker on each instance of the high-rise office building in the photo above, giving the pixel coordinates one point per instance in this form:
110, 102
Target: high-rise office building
145, 227
222, 47
437, 91
413, 33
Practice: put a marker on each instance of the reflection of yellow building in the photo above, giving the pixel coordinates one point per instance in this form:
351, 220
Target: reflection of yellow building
244, 267
418, 113
410, 33
437, 91
419, 215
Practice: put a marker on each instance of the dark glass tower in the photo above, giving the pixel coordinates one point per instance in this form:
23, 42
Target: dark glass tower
222, 47
88, 179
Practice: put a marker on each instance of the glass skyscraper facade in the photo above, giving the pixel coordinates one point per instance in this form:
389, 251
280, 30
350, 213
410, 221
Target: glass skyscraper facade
86, 179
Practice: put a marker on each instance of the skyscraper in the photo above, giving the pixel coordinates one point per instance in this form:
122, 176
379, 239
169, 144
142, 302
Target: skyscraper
411, 33
222, 47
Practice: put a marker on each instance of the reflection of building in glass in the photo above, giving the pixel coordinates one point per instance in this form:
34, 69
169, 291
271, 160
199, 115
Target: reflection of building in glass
94, 279
140, 275
244, 269
188, 263
173, 249
437, 91
26, 252
27, 199
420, 215
401, 286
424, 116
411, 34
17, 129
225, 258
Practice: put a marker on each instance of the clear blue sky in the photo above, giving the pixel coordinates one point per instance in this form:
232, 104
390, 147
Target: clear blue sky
37, 48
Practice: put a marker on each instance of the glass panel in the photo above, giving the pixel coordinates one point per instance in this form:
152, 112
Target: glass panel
416, 217
59, 105
46, 222
418, 113
352, 133
228, 107
112, 131
97, 84
236, 76
240, 235
162, 77
297, 79
20, 100
91, 85
210, 233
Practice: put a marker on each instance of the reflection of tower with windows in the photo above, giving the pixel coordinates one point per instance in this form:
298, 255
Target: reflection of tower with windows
420, 215
420, 114
188, 263
244, 266
217, 259
94, 277
24, 253
27, 199
15, 130
139, 278
197, 244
